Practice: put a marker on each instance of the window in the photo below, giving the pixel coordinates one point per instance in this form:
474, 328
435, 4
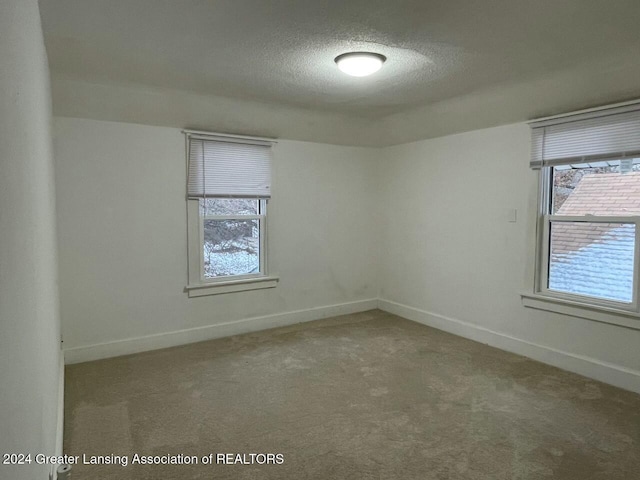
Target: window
228, 187
589, 218
590, 231
233, 233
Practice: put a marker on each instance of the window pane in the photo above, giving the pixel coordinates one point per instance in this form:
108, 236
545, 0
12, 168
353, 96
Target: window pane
229, 206
231, 247
594, 259
596, 188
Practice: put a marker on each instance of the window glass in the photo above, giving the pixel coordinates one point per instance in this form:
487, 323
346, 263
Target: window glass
230, 206
594, 259
596, 189
231, 247
230, 240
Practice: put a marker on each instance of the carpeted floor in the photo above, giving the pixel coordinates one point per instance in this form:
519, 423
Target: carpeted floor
364, 396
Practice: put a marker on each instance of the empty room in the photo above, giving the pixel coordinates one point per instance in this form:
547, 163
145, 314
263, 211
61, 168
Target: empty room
319, 239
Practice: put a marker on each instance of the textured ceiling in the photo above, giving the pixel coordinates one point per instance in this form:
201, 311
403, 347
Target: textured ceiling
281, 52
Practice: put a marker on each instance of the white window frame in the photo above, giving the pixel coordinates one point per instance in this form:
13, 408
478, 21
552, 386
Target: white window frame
262, 226
545, 219
197, 284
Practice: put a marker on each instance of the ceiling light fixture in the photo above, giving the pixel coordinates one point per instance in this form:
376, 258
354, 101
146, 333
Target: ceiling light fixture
360, 64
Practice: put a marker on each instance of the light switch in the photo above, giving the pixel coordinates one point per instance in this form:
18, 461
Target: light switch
512, 215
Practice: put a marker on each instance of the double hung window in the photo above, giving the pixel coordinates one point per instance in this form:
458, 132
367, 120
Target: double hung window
589, 215
228, 188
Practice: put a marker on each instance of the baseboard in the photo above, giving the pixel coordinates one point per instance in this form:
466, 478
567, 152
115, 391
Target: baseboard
209, 332
60, 426
60, 414
582, 365
589, 367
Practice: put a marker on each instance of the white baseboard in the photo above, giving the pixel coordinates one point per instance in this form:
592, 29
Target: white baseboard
209, 332
589, 367
60, 426
60, 420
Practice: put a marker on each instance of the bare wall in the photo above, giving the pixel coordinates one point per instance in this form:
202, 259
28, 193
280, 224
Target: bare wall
451, 258
29, 320
122, 230
422, 226
174, 108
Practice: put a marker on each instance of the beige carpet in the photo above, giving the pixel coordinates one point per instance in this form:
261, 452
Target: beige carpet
365, 396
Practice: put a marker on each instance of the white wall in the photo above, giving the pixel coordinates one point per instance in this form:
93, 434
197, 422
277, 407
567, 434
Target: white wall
175, 108
122, 231
436, 209
29, 321
451, 256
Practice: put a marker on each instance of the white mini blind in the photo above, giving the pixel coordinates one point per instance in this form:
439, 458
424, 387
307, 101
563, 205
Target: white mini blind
612, 133
228, 167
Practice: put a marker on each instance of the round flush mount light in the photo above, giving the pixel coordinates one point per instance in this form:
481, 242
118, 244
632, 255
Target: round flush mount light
360, 64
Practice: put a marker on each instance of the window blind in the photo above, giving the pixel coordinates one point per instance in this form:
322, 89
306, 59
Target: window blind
228, 167
611, 133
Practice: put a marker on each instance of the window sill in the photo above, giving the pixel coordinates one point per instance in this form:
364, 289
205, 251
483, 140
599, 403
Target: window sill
595, 313
230, 286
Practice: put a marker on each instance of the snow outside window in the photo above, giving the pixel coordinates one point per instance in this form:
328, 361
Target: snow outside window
232, 237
